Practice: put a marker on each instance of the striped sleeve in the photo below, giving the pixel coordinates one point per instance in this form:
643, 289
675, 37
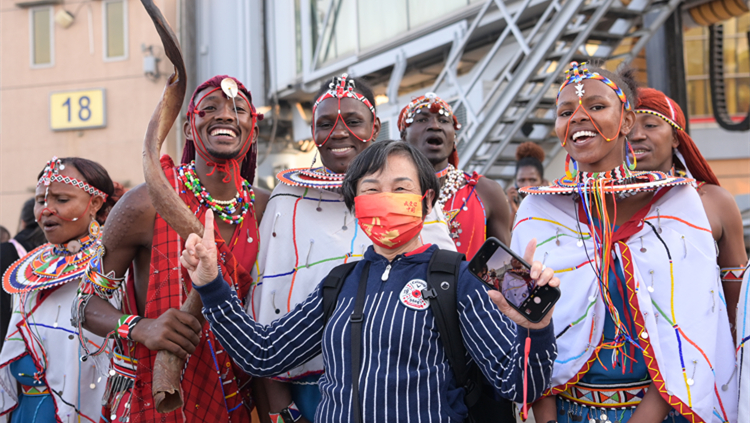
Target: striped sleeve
495, 343
258, 349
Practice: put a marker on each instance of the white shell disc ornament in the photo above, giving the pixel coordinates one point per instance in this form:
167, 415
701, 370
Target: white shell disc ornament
229, 87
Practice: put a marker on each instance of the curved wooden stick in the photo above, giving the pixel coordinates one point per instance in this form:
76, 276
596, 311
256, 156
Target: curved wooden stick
168, 367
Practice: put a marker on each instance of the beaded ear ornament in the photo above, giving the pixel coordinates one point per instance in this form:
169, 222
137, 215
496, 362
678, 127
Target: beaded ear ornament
576, 74
430, 101
51, 173
343, 87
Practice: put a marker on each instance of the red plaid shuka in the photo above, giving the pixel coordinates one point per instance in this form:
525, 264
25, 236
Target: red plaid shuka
214, 389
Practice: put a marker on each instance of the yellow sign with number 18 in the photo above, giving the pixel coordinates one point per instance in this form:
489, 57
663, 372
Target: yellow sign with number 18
83, 109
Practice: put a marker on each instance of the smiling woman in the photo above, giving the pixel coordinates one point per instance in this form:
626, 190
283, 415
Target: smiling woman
389, 187
638, 321
308, 230
73, 198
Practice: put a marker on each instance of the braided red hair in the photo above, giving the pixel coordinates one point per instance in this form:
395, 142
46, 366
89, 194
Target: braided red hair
650, 99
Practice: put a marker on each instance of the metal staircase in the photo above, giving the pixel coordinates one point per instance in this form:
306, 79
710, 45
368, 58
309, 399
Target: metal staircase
515, 102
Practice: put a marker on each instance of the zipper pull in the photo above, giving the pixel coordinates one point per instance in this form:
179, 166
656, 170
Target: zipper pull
387, 272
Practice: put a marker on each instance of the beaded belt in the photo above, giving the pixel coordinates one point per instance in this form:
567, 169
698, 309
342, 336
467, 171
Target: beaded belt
606, 396
34, 390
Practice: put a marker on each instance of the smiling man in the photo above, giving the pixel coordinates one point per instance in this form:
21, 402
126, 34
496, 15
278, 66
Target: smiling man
308, 229
475, 207
218, 165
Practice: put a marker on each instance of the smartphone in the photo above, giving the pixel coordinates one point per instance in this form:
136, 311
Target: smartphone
499, 266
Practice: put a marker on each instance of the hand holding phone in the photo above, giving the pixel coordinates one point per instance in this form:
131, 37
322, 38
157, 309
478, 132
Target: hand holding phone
527, 293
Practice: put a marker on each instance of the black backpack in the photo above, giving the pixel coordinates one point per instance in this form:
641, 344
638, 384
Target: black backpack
441, 291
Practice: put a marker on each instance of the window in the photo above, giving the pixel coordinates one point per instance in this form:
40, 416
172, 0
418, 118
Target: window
115, 29
42, 46
736, 68
358, 25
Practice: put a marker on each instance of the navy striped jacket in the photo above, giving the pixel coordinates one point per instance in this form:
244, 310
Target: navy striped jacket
405, 375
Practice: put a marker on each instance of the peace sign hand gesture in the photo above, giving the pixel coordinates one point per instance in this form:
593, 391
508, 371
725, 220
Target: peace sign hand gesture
199, 255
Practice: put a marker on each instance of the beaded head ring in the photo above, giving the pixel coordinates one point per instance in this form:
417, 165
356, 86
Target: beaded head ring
343, 87
431, 101
576, 74
656, 103
231, 88
434, 104
51, 173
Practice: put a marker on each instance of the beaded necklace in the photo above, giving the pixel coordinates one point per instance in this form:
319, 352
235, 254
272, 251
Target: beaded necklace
443, 172
224, 209
50, 265
453, 182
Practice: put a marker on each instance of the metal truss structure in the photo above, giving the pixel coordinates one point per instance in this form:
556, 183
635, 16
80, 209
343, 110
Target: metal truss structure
509, 96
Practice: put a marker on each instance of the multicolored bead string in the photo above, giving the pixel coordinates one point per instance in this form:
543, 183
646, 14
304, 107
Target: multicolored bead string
224, 212
577, 73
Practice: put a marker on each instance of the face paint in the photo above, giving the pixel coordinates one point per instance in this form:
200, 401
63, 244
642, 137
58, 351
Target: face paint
339, 88
51, 173
231, 166
576, 74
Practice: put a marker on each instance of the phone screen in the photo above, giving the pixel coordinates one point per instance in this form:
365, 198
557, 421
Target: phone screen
509, 276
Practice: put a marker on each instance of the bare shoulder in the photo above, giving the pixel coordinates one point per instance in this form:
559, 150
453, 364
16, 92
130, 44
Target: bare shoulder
131, 221
262, 196
718, 200
490, 191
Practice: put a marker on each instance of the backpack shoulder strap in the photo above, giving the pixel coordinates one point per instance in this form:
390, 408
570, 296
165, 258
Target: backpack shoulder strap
442, 276
332, 287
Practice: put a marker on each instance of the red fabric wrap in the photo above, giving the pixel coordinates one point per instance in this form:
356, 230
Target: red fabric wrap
206, 398
471, 222
651, 99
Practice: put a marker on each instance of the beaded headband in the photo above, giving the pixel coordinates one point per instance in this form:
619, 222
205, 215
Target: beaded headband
343, 87
657, 114
51, 174
435, 105
577, 73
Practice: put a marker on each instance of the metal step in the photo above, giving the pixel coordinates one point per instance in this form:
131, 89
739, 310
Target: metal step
545, 102
613, 12
531, 120
536, 59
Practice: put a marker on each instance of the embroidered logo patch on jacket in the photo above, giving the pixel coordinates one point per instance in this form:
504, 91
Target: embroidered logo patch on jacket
411, 295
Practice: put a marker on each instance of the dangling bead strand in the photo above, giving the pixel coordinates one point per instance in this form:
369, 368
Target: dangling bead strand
454, 180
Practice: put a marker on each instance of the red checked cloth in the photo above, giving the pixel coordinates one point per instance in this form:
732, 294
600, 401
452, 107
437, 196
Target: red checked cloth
210, 394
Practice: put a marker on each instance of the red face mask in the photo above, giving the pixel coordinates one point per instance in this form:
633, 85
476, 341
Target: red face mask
389, 220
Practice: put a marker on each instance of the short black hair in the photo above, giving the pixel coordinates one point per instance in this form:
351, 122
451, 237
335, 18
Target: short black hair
532, 162
360, 86
373, 160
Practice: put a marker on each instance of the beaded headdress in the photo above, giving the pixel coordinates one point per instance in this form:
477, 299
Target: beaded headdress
51, 173
431, 101
656, 103
577, 73
231, 88
343, 87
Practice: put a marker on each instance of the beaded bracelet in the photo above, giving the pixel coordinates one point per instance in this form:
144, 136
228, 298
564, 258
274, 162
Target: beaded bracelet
125, 325
290, 414
732, 274
95, 282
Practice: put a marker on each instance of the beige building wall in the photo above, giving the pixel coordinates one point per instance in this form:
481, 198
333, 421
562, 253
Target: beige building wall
26, 140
